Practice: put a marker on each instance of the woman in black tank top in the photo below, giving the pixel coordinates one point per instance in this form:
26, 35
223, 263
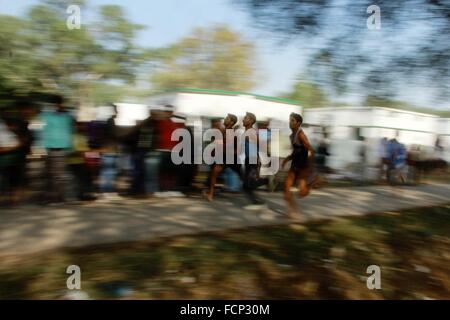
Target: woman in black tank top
299, 152
301, 167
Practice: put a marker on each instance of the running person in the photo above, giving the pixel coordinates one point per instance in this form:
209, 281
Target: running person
229, 122
301, 164
252, 163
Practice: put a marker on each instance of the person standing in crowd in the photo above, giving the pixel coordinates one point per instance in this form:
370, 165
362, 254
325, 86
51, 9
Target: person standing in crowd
140, 141
185, 171
438, 148
164, 129
109, 157
58, 139
301, 164
152, 158
384, 158
320, 162
19, 124
77, 164
362, 159
28, 111
397, 161
10, 146
228, 124
136, 162
322, 155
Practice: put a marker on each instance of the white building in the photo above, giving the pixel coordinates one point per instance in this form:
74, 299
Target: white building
346, 125
196, 103
444, 136
127, 113
199, 106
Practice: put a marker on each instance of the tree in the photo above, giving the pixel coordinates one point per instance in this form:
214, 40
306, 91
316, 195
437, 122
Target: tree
374, 101
121, 58
13, 62
40, 55
411, 47
208, 59
308, 94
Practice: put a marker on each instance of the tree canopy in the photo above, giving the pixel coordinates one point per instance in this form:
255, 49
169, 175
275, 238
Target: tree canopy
412, 47
216, 58
308, 94
40, 55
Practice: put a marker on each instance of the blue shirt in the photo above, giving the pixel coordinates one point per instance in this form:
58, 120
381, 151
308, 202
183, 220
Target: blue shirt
397, 153
58, 130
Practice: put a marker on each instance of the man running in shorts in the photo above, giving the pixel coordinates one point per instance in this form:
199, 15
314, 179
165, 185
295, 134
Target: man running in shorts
252, 164
229, 122
301, 164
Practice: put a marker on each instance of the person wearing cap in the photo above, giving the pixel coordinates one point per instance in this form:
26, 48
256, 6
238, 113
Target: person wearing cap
301, 164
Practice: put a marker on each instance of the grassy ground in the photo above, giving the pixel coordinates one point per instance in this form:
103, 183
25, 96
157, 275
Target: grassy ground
321, 260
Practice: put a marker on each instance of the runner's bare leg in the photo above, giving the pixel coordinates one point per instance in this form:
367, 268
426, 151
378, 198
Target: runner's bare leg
217, 169
303, 187
292, 206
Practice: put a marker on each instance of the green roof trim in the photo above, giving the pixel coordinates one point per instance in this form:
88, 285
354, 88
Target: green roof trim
233, 93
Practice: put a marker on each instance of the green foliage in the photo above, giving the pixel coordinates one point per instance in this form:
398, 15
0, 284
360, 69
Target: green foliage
308, 94
99, 62
40, 55
211, 59
324, 259
411, 48
395, 104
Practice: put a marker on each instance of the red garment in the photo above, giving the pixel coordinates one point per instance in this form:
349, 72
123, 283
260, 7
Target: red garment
164, 131
92, 159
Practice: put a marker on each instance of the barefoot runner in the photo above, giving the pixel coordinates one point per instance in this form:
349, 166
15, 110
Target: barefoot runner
229, 122
252, 164
301, 164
